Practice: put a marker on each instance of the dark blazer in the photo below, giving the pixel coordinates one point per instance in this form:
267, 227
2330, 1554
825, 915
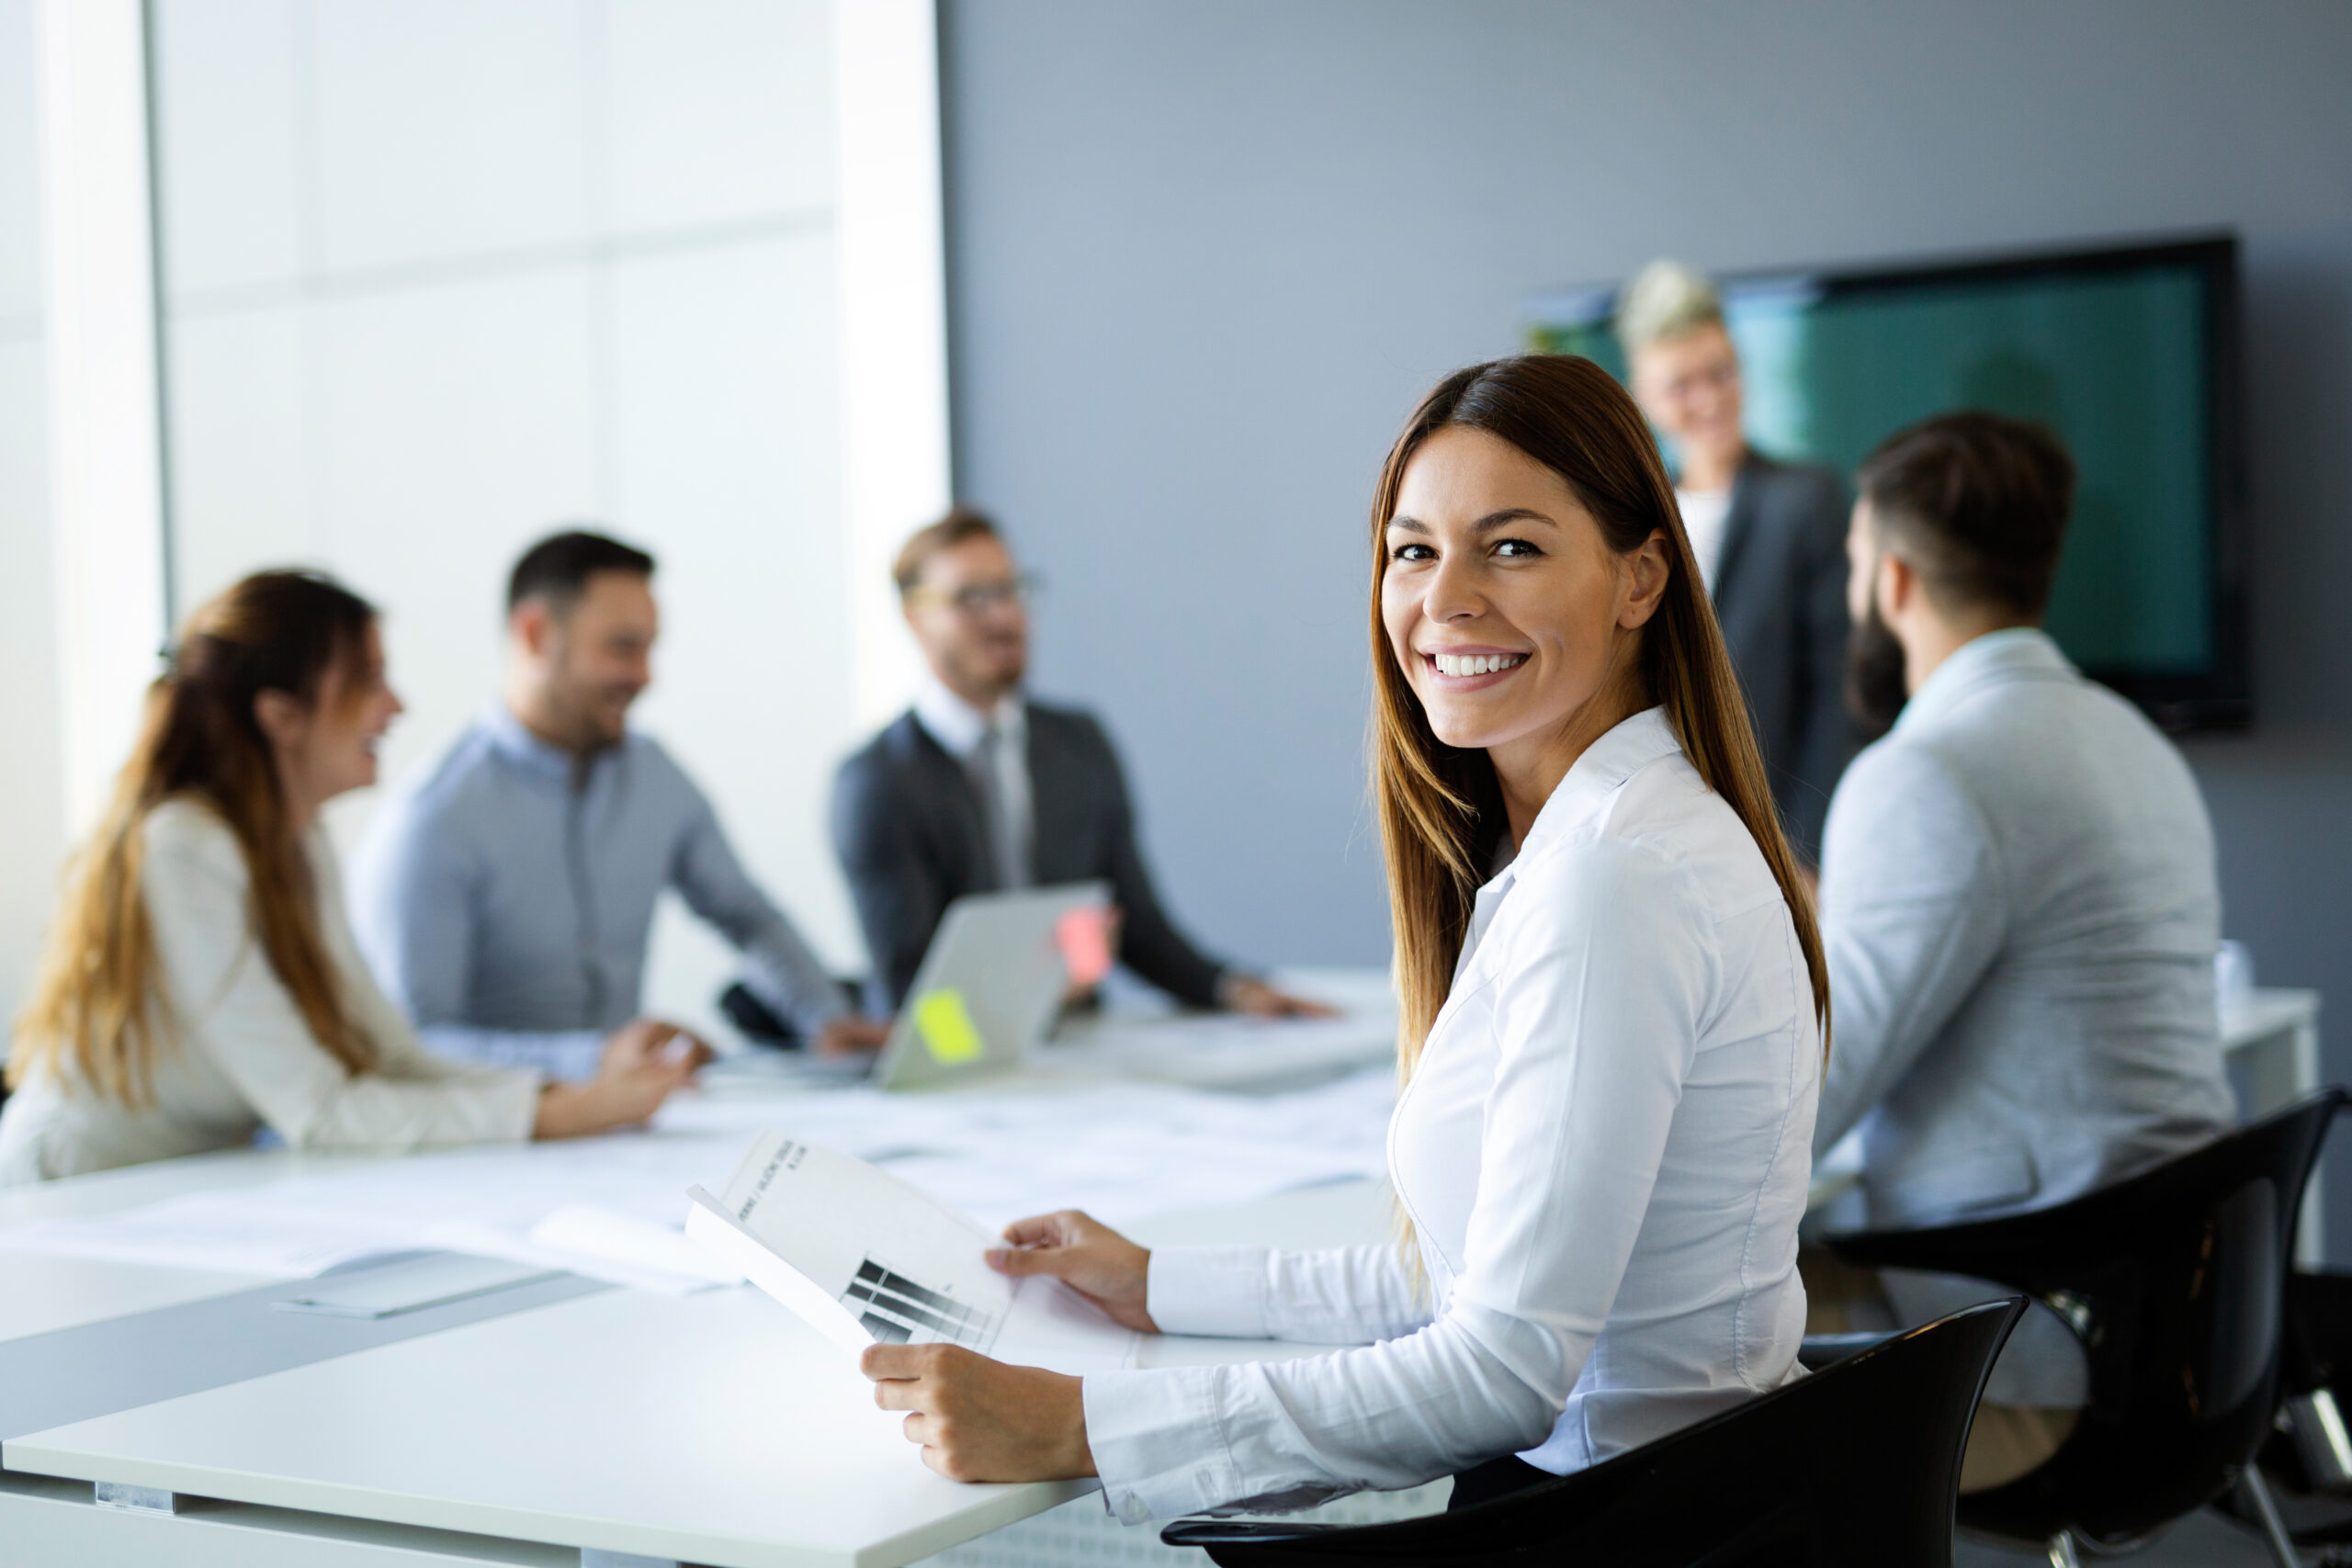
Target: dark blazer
907, 827
1781, 599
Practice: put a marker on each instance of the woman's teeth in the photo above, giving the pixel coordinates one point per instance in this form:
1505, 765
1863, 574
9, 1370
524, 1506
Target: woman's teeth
1476, 663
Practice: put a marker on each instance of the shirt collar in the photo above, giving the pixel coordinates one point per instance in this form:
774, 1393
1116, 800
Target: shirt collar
1617, 756
956, 724
513, 740
2010, 654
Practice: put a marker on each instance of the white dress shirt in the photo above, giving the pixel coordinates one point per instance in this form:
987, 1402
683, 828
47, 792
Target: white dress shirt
960, 729
1604, 1155
241, 1055
1706, 517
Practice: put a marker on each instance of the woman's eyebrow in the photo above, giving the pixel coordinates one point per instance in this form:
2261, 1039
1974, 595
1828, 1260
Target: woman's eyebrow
1508, 516
1485, 525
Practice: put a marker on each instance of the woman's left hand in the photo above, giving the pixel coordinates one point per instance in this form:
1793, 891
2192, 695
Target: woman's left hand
982, 1420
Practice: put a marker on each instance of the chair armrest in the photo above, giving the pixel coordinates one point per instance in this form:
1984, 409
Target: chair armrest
1820, 1350
2000, 1249
1237, 1532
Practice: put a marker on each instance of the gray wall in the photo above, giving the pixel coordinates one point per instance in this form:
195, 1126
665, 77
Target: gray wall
1202, 257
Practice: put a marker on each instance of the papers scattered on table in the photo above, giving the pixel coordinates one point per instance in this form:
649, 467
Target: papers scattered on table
864, 1259
599, 1243
608, 1207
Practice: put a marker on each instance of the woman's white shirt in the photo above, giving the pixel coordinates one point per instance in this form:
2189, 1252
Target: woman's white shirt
1604, 1153
242, 1055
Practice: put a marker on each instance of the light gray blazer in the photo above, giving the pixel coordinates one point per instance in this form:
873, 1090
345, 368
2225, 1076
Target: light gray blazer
2020, 906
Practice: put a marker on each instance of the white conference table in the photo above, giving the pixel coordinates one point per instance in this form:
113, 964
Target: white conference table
612, 1428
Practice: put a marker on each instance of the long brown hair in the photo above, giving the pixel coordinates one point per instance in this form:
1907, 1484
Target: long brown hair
1441, 807
99, 1006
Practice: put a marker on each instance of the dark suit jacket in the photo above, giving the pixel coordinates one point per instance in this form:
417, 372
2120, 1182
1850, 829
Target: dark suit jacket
907, 827
1781, 599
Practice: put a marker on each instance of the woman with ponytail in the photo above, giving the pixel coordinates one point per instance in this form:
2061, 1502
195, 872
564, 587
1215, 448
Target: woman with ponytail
201, 982
1614, 1014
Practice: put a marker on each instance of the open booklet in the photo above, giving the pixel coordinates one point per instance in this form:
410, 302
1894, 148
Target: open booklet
862, 1258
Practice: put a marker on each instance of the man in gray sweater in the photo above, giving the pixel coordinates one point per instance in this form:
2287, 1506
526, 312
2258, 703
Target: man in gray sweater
2018, 897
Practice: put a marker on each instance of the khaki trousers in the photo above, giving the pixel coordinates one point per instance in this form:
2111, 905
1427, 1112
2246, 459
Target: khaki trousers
2004, 1442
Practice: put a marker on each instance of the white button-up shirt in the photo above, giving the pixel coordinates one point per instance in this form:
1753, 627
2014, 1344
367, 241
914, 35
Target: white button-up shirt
1604, 1155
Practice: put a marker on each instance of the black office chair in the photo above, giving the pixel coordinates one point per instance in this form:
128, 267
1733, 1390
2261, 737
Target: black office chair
2308, 1460
2172, 1280
1853, 1467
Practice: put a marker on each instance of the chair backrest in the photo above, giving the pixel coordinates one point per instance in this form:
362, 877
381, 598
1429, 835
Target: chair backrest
1857, 1464
2173, 1280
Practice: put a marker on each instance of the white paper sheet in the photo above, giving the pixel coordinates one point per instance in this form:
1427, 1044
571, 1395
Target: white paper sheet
865, 1258
600, 1244
1122, 1150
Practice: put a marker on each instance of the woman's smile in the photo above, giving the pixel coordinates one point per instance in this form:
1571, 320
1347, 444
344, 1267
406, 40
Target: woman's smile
1469, 669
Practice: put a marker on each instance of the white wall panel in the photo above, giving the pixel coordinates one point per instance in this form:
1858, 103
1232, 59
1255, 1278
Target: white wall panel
20, 263
231, 115
544, 260
240, 423
729, 467
457, 426
32, 802
451, 128
721, 110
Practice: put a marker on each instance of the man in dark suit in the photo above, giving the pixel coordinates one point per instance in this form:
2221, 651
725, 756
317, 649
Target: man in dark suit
1770, 538
977, 789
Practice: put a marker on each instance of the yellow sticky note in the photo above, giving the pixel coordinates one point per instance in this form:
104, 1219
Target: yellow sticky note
945, 1025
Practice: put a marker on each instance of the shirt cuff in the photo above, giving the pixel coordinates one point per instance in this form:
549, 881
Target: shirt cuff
1158, 1443
521, 1116
1217, 1291
564, 1055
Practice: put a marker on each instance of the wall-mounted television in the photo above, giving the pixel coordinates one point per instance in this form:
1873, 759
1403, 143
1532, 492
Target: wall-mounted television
2130, 354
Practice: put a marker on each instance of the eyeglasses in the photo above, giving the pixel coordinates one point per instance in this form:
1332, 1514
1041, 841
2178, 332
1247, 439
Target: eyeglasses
979, 598
1719, 377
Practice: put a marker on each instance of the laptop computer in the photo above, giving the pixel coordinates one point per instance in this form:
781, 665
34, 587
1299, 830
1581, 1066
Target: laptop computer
990, 985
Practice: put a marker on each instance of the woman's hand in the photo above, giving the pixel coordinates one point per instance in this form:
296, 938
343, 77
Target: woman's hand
645, 1061
981, 1421
1086, 1255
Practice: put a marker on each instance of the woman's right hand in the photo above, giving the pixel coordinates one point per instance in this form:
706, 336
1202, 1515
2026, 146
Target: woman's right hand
644, 1063
1086, 1255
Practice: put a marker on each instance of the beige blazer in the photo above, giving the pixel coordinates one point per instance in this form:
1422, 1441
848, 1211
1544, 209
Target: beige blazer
238, 1056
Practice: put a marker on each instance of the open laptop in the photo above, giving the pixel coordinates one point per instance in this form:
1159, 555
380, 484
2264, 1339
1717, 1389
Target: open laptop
990, 985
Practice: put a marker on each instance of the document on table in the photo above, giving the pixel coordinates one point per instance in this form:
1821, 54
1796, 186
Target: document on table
608, 1206
865, 1259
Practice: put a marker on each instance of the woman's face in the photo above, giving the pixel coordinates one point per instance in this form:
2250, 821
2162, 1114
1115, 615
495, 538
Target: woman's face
329, 747
1505, 608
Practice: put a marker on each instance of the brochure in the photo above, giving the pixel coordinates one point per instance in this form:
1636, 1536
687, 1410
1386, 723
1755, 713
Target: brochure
865, 1259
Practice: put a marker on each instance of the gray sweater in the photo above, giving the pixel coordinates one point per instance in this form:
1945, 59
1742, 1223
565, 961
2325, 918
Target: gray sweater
2020, 904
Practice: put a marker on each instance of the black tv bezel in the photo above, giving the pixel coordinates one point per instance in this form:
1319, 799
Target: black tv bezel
2220, 696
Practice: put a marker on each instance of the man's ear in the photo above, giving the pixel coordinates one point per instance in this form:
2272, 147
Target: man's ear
1898, 586
530, 624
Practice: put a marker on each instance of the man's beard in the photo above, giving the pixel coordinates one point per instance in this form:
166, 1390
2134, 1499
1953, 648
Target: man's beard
1875, 686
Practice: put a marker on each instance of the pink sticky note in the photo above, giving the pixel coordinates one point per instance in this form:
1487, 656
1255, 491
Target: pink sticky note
1084, 938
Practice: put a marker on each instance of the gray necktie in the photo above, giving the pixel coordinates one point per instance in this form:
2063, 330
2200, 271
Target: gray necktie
996, 812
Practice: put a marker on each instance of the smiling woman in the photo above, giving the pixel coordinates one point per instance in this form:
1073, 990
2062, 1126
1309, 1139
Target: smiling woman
1525, 519
200, 981
1614, 1010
